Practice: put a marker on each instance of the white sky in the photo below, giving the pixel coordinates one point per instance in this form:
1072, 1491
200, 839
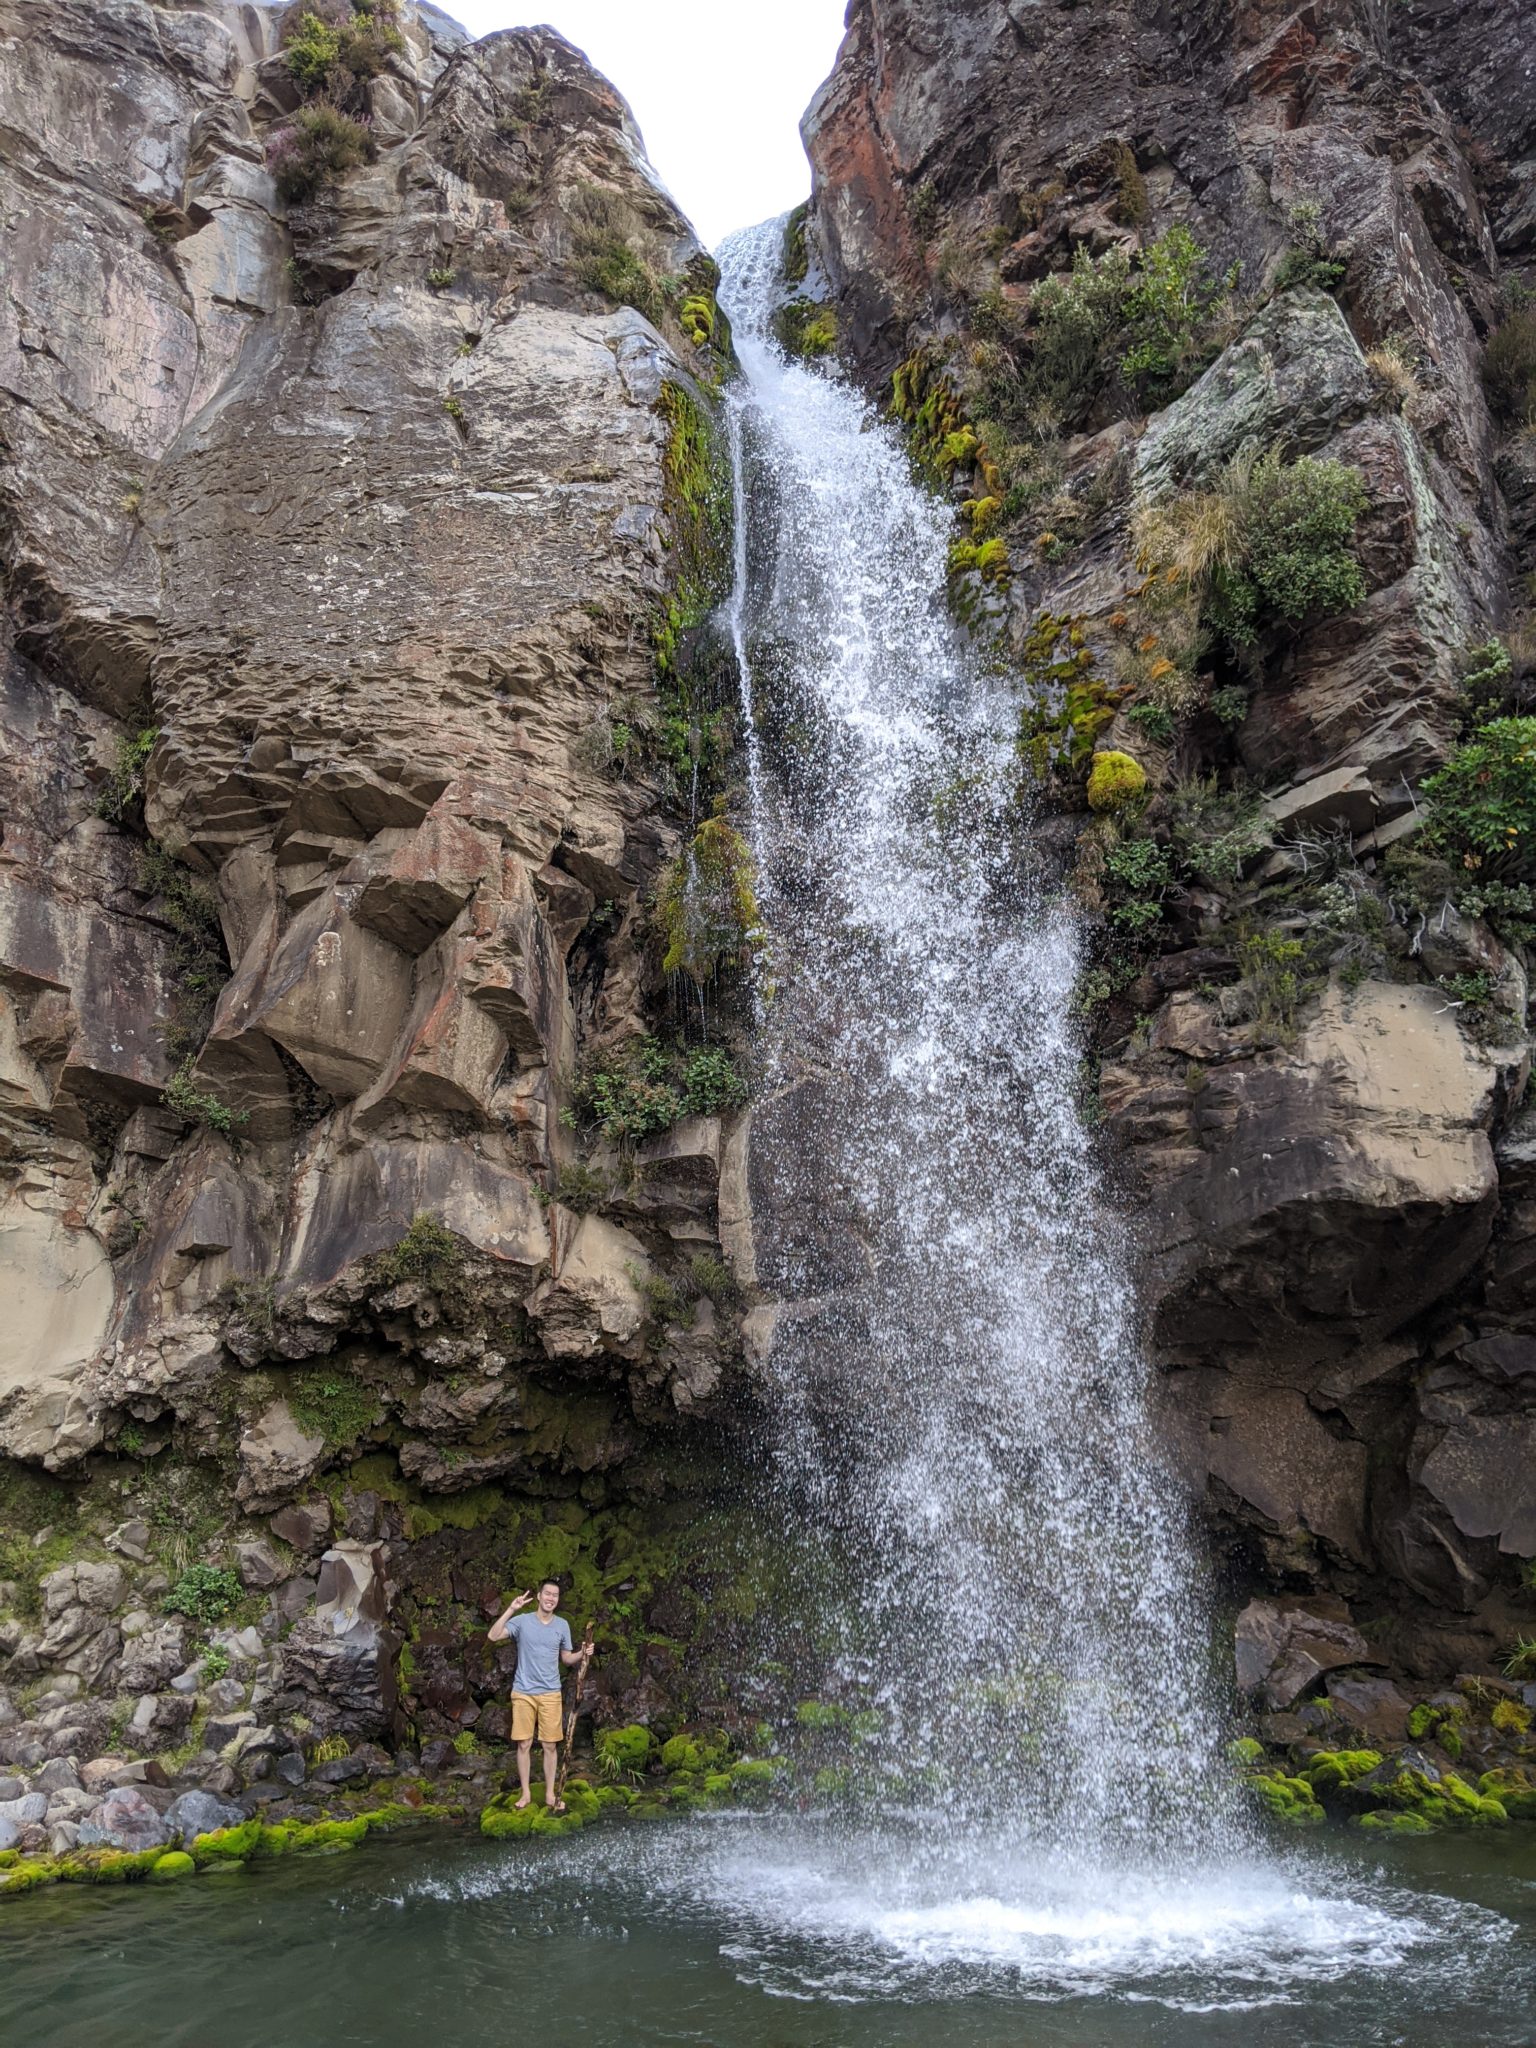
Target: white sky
718, 87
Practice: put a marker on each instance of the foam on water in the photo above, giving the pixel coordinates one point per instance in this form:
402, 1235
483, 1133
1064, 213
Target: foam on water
799, 1915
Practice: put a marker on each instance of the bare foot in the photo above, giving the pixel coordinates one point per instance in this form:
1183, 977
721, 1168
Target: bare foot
521, 1804
555, 1805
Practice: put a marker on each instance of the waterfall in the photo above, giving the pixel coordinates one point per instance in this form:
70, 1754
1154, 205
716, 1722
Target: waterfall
1019, 1631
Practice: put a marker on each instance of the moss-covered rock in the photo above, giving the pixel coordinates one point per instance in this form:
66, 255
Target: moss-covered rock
172, 1867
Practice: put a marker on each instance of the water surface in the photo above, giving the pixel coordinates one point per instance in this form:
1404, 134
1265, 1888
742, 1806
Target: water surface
754, 1934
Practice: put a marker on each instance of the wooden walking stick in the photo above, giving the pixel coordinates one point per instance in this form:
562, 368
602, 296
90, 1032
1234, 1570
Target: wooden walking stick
570, 1720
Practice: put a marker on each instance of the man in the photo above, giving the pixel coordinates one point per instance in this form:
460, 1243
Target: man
543, 1642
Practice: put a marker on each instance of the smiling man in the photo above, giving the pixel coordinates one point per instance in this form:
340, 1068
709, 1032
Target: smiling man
543, 1641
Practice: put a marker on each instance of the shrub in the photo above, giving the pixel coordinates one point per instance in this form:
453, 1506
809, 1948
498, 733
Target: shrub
125, 784
1166, 309
205, 1593
1271, 967
333, 47
215, 1664
1308, 260
1272, 543
183, 1095
427, 1251
318, 144
581, 1188
1114, 781
1076, 315
603, 234
331, 1405
711, 1083
631, 1099
1509, 368
707, 906
1482, 803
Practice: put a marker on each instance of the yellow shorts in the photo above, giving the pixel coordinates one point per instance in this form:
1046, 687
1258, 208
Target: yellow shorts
535, 1712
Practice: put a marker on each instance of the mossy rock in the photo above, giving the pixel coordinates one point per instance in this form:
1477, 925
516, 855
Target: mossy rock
1286, 1799
26, 1877
1513, 1788
624, 1752
1395, 1823
1332, 1769
1114, 781
227, 1845
172, 1868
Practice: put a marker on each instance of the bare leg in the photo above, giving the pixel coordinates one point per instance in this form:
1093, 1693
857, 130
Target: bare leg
524, 1765
551, 1753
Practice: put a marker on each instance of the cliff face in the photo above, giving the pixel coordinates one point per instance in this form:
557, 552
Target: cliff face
347, 498
1273, 234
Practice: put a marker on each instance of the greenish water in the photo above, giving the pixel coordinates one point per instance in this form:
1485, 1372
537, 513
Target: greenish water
750, 1934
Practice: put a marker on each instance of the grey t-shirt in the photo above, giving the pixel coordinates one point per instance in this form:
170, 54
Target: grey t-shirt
539, 1644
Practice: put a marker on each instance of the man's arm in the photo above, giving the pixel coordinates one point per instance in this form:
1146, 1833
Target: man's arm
498, 1629
570, 1656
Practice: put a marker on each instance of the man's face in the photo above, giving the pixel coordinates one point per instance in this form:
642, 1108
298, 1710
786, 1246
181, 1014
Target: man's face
549, 1599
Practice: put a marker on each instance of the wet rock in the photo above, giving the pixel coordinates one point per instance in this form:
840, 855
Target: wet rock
1374, 1706
1283, 1648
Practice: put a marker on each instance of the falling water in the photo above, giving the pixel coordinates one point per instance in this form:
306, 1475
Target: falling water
963, 1403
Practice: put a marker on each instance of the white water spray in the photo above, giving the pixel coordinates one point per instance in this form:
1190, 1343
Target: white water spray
963, 1401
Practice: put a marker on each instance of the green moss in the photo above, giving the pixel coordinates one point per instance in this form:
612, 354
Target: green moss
796, 260
1329, 1770
227, 1845
331, 1404
1245, 1751
821, 1715
1065, 706
1395, 1823
706, 907
697, 316
1286, 1799
1513, 1788
624, 1752
172, 1867
1114, 781
806, 328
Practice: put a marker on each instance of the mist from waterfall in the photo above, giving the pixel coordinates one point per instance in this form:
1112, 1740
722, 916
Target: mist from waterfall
1021, 1632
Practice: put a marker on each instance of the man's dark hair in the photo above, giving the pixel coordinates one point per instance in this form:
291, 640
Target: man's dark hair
551, 1582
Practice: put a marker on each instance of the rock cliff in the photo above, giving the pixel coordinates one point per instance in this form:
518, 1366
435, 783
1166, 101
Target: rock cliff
1165, 297
360, 479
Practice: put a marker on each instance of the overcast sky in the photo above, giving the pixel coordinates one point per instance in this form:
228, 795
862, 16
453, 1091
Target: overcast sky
718, 87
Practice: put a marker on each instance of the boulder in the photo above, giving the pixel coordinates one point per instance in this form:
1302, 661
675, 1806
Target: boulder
1284, 1646
125, 1819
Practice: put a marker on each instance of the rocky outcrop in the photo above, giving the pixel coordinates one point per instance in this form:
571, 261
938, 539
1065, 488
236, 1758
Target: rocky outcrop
1309, 1057
353, 476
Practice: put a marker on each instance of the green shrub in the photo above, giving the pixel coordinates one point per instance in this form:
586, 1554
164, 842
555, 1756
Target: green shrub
1509, 368
332, 1405
1481, 806
604, 231
1166, 309
582, 1188
1076, 314
183, 1095
189, 910
204, 1593
317, 145
1296, 527
1308, 260
427, 1251
125, 785
333, 47
711, 1083
1270, 966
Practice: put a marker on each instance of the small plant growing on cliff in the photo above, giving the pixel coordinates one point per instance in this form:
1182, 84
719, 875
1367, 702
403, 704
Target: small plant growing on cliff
199, 1106
318, 145
428, 1251
335, 46
439, 279
1271, 969
205, 1593
215, 1664
124, 791
581, 1189
332, 1405
707, 905
1509, 369
711, 1083
1482, 803
1308, 260
604, 231
1167, 309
